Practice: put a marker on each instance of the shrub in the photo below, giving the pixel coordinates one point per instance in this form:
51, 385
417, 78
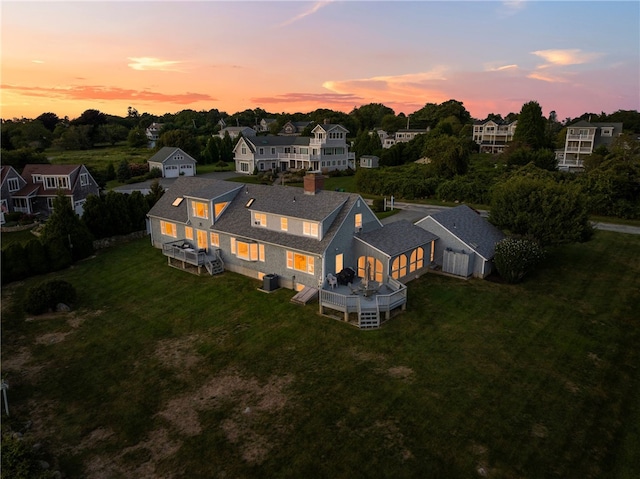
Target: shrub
378, 205
46, 296
515, 257
20, 460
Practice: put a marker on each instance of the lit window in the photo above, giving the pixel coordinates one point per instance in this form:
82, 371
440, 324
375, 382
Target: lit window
375, 268
219, 207
260, 219
247, 251
168, 229
300, 262
416, 260
399, 267
202, 239
310, 229
358, 220
215, 239
200, 210
284, 224
188, 232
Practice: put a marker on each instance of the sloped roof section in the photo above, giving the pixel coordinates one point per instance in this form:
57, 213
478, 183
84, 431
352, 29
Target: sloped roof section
397, 237
472, 229
189, 186
166, 152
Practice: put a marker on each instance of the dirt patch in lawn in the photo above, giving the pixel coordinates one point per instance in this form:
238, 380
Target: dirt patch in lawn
178, 353
401, 372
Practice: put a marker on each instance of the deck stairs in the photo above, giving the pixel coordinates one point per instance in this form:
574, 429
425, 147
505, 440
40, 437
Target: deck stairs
306, 295
368, 315
214, 265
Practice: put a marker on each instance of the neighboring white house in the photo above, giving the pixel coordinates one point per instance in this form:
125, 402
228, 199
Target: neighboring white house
153, 133
173, 162
265, 124
235, 131
369, 161
325, 150
582, 138
493, 136
401, 136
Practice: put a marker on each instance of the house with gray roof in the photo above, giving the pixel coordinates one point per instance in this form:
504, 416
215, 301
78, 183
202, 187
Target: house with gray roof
10, 182
235, 131
582, 139
43, 183
466, 241
325, 150
305, 237
173, 162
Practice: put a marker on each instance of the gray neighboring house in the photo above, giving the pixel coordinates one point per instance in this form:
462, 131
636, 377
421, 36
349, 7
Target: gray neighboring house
173, 162
466, 243
10, 183
302, 236
43, 182
236, 131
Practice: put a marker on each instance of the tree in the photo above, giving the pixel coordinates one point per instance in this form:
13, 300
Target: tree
532, 126
94, 216
155, 193
211, 153
226, 149
449, 155
36, 255
536, 206
65, 226
24, 156
124, 172
516, 257
112, 133
186, 140
137, 138
371, 115
49, 120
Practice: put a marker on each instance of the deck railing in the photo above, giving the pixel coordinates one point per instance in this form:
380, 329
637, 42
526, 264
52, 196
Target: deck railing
182, 250
350, 303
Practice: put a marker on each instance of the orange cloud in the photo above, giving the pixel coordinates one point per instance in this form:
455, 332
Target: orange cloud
319, 98
107, 93
572, 56
150, 63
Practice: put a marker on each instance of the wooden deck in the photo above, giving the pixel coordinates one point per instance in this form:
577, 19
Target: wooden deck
371, 306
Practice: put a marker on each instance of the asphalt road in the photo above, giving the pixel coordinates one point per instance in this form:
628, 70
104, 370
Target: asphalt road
414, 212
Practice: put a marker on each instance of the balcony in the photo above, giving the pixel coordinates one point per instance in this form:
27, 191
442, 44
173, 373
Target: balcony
581, 137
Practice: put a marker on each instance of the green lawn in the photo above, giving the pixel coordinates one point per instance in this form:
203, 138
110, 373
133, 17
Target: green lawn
99, 158
209, 377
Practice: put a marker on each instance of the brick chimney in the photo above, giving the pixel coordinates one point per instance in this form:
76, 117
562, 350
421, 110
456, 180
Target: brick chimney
313, 183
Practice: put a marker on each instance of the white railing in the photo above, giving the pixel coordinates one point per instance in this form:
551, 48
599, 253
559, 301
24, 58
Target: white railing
580, 137
350, 303
187, 254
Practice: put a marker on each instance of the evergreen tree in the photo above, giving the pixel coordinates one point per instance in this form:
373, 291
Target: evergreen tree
64, 225
124, 172
36, 255
532, 126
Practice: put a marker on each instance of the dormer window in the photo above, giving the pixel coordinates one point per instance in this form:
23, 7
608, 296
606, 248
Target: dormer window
607, 131
310, 229
260, 219
200, 209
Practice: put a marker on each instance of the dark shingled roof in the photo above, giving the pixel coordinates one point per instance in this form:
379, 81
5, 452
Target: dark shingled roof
470, 228
397, 237
236, 218
165, 152
205, 188
272, 140
278, 200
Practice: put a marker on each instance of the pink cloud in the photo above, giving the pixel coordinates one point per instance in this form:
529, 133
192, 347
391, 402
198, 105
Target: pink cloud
322, 99
92, 92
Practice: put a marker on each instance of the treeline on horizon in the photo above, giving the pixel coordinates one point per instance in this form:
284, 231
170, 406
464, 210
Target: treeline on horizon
452, 168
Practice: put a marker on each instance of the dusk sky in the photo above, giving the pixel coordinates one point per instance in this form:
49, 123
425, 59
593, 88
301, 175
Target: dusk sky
294, 56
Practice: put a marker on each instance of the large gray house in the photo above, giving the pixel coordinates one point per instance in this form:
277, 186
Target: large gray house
308, 239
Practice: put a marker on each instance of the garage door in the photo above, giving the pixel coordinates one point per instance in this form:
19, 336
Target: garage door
171, 171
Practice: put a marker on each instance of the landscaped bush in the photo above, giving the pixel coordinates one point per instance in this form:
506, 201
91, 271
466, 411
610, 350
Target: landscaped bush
515, 257
46, 296
21, 461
